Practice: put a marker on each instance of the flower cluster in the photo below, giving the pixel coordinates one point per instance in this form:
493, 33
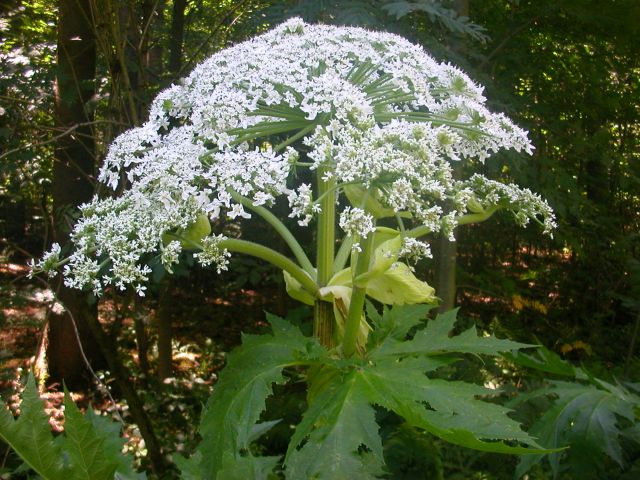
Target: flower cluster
302, 204
48, 263
413, 249
524, 204
212, 253
357, 224
368, 108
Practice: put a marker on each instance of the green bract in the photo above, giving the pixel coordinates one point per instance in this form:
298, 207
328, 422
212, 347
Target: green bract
191, 236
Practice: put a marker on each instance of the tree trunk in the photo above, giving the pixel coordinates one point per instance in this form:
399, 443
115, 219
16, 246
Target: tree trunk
446, 273
163, 319
446, 265
159, 462
142, 338
176, 36
72, 185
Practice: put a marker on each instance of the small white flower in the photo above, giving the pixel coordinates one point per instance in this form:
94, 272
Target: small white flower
140, 289
48, 263
302, 204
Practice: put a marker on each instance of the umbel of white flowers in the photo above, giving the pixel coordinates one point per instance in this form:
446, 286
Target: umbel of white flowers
376, 113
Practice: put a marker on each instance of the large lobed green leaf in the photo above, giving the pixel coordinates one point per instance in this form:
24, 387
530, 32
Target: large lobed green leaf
589, 419
239, 395
246, 467
90, 449
339, 421
434, 339
85, 447
450, 410
30, 435
109, 435
338, 436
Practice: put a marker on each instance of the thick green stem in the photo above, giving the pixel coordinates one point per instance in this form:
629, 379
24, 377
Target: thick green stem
273, 257
354, 317
343, 254
295, 137
279, 227
323, 321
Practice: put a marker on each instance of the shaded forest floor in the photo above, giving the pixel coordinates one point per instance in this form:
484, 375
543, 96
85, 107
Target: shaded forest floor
204, 328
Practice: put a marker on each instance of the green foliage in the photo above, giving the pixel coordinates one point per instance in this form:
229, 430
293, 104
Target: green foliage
438, 13
30, 435
376, 13
566, 70
340, 420
545, 361
239, 396
27, 53
435, 340
90, 449
593, 417
338, 436
245, 467
87, 458
349, 12
412, 454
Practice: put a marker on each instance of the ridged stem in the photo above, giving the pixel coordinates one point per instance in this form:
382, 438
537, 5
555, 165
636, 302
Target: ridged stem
323, 321
358, 294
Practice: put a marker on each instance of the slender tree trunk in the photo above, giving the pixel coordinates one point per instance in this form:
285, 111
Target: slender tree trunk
176, 36
446, 273
446, 266
142, 338
72, 183
159, 462
163, 320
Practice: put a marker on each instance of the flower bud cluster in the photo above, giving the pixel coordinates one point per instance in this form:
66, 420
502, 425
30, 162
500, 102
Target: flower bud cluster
414, 249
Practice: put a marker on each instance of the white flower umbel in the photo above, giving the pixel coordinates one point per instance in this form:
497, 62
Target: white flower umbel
170, 254
302, 204
48, 263
413, 249
369, 109
523, 202
357, 224
212, 253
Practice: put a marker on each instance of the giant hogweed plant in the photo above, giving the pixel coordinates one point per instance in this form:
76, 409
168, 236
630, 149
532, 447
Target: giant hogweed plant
380, 125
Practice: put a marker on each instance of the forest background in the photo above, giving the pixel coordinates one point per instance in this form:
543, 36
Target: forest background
75, 74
